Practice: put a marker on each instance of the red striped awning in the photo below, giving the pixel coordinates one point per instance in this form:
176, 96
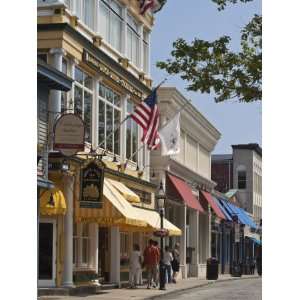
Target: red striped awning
186, 193
207, 196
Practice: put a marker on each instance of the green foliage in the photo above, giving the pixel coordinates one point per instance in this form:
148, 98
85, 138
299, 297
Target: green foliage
222, 3
213, 67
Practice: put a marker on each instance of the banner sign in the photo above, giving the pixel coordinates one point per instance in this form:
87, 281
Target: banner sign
69, 134
99, 66
92, 177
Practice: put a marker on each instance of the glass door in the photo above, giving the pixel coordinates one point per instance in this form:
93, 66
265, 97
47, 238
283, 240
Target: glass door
47, 253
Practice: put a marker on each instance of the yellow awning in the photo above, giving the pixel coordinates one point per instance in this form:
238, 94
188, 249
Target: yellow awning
116, 210
53, 202
153, 220
128, 194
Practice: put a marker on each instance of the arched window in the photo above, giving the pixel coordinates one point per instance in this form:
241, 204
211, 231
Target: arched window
242, 177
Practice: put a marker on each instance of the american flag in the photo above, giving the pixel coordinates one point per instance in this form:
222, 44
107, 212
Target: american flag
146, 115
154, 5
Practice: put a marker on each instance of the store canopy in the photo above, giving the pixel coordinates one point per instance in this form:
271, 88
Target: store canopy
211, 201
186, 193
52, 202
256, 241
116, 210
128, 194
225, 212
153, 219
241, 214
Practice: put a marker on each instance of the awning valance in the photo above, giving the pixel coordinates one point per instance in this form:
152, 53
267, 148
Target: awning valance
153, 220
207, 196
128, 194
186, 193
52, 202
225, 212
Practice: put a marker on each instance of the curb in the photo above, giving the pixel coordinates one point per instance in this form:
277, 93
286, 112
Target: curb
179, 291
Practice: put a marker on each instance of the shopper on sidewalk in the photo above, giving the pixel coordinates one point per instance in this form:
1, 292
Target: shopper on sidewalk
135, 266
168, 258
155, 283
151, 260
176, 262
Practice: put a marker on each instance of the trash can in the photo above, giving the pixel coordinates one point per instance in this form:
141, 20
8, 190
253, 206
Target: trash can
212, 268
236, 270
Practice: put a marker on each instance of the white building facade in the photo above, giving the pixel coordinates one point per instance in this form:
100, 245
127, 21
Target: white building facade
183, 177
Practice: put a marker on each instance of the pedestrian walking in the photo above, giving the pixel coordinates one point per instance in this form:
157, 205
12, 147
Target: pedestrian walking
175, 262
168, 258
151, 260
135, 266
155, 283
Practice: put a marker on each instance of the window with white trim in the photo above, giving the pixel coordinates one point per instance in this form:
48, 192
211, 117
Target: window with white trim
81, 245
131, 135
88, 13
110, 22
83, 97
133, 38
109, 119
146, 51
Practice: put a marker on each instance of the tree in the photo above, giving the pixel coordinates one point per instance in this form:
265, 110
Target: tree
213, 67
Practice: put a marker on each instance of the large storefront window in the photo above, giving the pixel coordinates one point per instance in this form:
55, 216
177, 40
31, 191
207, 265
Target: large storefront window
131, 135
109, 119
132, 40
110, 22
83, 97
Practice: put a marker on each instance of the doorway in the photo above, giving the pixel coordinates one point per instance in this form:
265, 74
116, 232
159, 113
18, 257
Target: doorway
47, 253
103, 255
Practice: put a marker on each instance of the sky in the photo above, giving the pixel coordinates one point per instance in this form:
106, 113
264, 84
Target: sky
238, 123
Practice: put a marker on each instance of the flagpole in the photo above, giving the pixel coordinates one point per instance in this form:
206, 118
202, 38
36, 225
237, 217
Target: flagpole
178, 111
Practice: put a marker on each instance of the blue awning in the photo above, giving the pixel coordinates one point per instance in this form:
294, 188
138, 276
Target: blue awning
241, 214
227, 215
256, 241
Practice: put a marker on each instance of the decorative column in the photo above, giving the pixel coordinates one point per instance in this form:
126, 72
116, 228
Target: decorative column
54, 104
115, 255
183, 242
68, 187
93, 253
195, 243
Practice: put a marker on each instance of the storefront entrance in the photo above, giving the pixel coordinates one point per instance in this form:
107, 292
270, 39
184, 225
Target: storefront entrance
47, 253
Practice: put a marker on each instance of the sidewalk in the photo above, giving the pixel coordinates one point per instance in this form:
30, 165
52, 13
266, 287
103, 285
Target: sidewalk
143, 293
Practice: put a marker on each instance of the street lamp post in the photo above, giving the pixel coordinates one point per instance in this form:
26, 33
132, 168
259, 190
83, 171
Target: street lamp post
161, 206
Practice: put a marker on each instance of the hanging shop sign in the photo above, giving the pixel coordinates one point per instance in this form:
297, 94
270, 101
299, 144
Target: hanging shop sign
95, 63
161, 233
69, 134
91, 189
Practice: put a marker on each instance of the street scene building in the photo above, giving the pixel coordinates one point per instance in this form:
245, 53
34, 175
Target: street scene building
122, 162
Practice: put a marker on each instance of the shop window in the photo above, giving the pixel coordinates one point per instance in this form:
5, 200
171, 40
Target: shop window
109, 119
83, 96
242, 180
146, 51
132, 40
124, 245
131, 135
81, 245
110, 22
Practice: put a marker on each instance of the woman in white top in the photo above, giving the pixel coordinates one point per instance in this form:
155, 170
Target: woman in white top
168, 258
135, 266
